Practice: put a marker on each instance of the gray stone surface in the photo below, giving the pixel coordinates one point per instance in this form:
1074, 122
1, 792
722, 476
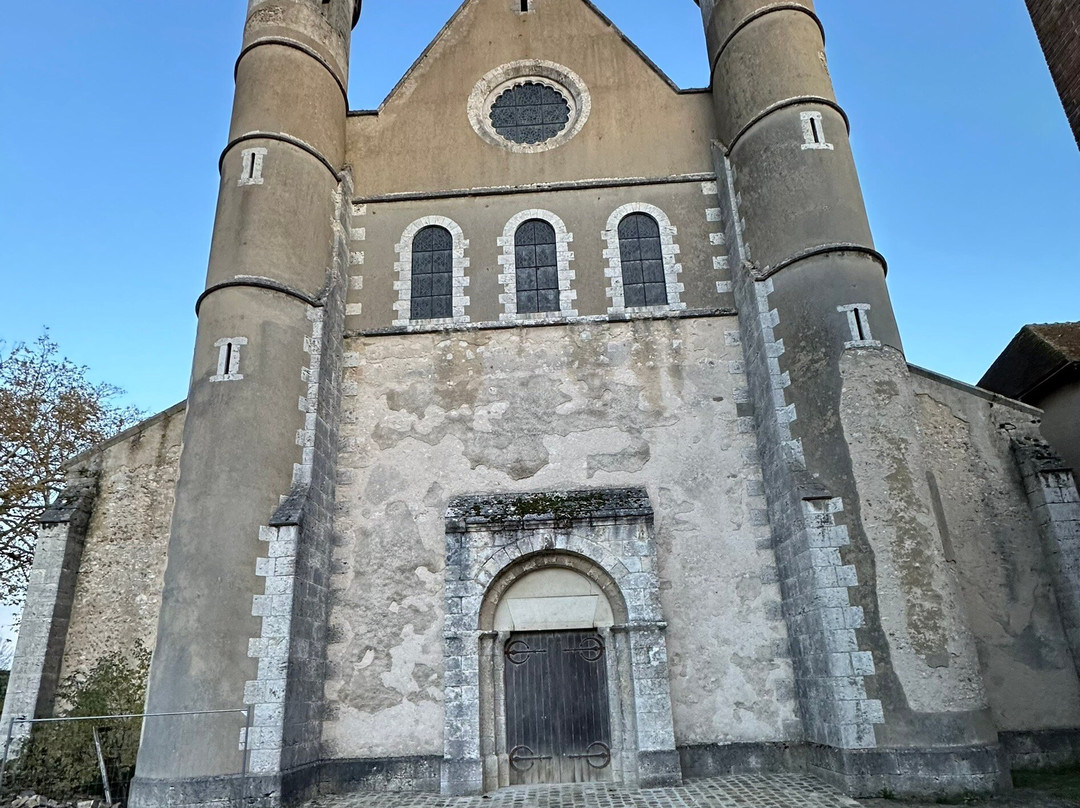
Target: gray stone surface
738, 791
992, 540
649, 403
121, 572
39, 651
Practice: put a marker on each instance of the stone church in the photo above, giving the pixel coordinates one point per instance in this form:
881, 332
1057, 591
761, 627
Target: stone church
551, 423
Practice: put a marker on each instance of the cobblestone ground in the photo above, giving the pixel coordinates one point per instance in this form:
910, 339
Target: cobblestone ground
740, 791
1021, 798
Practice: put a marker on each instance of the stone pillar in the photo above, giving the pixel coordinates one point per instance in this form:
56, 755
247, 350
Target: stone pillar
886, 674
39, 651
243, 607
1055, 503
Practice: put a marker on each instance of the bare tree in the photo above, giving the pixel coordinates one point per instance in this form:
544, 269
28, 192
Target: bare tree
49, 412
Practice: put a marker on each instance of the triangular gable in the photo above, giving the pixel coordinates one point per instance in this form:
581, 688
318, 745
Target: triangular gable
445, 30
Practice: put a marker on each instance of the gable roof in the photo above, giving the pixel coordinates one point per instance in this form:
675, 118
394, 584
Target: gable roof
588, 3
1039, 359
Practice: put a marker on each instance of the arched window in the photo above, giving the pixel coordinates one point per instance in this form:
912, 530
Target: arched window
432, 274
536, 267
644, 281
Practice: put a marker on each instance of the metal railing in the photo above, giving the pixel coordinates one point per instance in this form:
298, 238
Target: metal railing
244, 711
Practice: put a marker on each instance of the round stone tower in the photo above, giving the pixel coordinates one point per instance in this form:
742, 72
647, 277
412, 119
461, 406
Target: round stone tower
888, 683
251, 456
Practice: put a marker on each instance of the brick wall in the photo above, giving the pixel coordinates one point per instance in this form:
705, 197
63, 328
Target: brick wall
1057, 23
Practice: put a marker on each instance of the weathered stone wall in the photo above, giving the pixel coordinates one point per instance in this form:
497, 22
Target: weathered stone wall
118, 590
651, 403
991, 541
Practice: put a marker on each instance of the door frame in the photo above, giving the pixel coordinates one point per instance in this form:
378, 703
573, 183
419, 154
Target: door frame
605, 535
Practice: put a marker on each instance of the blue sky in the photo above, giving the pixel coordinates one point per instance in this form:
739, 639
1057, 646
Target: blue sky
115, 113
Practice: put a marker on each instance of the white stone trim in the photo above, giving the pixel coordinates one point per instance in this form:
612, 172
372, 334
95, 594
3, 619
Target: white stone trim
251, 173
228, 366
32, 645
813, 129
560, 78
265, 694
668, 248
403, 267
356, 263
508, 276
859, 323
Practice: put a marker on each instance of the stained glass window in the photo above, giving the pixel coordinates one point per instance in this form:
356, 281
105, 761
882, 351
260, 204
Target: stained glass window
644, 282
432, 274
537, 267
530, 113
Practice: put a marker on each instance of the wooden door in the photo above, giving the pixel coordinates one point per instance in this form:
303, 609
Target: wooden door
558, 725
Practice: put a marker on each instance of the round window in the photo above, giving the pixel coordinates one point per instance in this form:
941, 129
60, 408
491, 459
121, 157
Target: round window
529, 106
530, 113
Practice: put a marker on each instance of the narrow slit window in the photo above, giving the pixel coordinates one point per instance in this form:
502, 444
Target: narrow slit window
858, 317
813, 128
536, 268
228, 364
432, 274
643, 275
251, 172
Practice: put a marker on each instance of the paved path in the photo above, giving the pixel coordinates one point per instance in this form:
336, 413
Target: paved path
738, 791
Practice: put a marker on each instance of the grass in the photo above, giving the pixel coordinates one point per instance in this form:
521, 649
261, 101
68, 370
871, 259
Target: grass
1062, 782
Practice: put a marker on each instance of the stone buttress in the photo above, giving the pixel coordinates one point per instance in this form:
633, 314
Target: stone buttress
888, 683
244, 607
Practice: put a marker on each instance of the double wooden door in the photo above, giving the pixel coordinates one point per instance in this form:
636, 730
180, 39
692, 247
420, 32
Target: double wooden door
558, 724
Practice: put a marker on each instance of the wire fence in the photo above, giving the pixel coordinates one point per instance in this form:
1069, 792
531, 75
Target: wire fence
93, 756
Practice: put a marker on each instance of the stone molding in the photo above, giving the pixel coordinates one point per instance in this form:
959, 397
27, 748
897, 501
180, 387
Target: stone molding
568, 83
668, 248
508, 276
403, 267
605, 534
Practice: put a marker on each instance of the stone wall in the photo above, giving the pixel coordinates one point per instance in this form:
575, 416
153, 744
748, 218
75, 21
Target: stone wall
118, 590
992, 542
655, 404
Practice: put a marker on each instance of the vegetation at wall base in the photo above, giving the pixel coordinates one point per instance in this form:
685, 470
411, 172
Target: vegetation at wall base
60, 760
1063, 781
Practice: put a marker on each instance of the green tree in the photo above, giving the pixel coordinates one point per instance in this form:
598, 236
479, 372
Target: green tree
59, 759
49, 412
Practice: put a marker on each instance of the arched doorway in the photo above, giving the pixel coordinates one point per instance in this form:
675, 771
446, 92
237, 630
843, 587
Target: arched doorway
569, 573
554, 672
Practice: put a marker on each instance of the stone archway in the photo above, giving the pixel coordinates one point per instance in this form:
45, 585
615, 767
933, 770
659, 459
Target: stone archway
553, 595
602, 539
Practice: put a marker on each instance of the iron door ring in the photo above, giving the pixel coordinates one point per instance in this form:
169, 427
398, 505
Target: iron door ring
596, 750
523, 754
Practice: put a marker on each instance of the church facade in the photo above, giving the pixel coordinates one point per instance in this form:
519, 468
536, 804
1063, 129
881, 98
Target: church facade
551, 423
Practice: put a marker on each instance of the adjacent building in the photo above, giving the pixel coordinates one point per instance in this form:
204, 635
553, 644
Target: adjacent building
1057, 22
1041, 367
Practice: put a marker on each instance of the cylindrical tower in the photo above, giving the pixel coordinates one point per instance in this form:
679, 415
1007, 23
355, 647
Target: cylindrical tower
272, 261
888, 682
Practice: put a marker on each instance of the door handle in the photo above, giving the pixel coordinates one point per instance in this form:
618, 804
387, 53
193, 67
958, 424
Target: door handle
598, 751
523, 754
